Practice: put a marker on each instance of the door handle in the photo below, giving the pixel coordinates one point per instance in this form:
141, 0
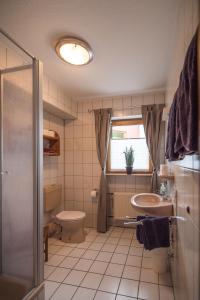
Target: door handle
4, 172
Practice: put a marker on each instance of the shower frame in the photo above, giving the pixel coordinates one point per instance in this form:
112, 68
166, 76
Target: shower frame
36, 66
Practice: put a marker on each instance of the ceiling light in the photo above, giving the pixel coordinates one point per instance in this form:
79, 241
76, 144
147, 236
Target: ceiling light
74, 51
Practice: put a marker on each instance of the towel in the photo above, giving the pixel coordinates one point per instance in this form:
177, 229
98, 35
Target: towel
182, 137
155, 232
139, 232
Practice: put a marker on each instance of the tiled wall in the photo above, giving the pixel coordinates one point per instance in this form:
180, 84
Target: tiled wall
54, 165
82, 170
185, 263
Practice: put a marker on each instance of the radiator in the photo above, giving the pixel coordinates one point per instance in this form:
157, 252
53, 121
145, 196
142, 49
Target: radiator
122, 207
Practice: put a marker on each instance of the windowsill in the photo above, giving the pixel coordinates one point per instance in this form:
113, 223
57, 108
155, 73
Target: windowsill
124, 174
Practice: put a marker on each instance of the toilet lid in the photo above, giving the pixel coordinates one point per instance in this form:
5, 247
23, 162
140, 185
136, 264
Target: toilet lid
70, 215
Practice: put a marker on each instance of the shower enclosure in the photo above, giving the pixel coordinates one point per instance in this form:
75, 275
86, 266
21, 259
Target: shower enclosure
21, 236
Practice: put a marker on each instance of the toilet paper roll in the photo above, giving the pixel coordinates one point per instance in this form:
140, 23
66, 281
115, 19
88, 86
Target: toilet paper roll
93, 194
164, 170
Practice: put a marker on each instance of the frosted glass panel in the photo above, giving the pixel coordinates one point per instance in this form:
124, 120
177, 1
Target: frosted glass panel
17, 184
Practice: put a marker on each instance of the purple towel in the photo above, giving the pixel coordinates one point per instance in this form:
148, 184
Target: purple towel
156, 232
182, 137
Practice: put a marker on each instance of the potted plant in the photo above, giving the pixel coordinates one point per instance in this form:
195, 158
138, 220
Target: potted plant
129, 157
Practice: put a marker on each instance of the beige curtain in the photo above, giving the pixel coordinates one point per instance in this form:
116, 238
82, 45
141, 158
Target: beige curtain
102, 130
152, 118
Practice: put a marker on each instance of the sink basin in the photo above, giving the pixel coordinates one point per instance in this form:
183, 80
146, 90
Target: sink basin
151, 204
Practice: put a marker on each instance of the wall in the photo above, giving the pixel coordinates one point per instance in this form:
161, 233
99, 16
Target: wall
82, 170
185, 263
54, 165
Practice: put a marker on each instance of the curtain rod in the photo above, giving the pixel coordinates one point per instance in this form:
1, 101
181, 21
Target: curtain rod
130, 107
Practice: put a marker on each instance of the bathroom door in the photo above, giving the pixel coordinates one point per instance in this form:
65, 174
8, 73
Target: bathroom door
22, 260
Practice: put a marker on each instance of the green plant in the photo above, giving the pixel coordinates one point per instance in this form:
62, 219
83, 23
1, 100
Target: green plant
129, 156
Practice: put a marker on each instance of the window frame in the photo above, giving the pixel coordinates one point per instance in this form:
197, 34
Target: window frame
125, 122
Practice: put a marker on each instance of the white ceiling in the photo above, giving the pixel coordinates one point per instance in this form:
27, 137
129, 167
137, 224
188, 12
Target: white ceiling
132, 41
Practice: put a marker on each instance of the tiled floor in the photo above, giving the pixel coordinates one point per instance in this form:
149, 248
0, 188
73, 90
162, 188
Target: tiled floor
110, 266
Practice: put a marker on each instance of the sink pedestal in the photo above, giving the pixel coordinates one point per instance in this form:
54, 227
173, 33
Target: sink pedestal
160, 263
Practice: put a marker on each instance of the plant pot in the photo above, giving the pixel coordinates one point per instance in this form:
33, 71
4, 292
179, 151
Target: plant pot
129, 170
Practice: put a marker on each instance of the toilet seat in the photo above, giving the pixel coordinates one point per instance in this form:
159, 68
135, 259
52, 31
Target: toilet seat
70, 215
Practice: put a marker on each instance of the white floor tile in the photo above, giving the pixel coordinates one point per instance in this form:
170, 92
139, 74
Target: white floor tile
64, 292
165, 279
84, 245
108, 247
96, 246
100, 239
114, 270
120, 297
136, 251
104, 296
166, 293
55, 260
50, 287
119, 258
69, 262
65, 251
148, 291
54, 249
91, 280
90, 238
77, 252
128, 288
109, 284
131, 273
99, 267
84, 294
116, 234
90, 254
122, 249
59, 274
148, 275
113, 240
48, 270
125, 242
83, 264
59, 243
134, 261
104, 256
75, 277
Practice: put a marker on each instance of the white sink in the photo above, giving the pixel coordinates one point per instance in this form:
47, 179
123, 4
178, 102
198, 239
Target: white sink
151, 204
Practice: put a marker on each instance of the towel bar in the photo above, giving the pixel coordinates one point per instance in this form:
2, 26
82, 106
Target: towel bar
140, 222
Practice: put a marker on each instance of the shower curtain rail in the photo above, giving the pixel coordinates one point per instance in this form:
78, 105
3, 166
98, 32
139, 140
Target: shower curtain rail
15, 43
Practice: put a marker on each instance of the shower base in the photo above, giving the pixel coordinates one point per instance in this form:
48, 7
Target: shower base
12, 288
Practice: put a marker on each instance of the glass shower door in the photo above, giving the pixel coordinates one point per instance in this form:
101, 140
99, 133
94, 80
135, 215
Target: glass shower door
17, 177
21, 208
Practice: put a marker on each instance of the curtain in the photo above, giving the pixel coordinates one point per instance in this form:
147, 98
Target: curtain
152, 118
102, 131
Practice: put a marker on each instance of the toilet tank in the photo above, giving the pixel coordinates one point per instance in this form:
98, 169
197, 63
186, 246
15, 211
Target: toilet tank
52, 197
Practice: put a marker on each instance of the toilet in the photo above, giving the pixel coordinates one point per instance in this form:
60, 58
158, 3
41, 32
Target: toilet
72, 222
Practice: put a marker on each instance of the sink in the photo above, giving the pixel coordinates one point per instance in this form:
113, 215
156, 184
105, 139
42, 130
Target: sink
151, 204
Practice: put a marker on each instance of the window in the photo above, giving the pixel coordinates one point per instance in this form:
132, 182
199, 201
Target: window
126, 133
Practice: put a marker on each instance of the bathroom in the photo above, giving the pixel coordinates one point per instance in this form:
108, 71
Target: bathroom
63, 235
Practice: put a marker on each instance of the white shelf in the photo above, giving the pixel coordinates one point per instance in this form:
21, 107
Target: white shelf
58, 112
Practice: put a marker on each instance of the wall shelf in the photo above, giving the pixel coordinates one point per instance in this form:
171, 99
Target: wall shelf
58, 112
51, 144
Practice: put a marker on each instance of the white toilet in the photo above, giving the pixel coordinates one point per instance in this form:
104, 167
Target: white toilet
72, 222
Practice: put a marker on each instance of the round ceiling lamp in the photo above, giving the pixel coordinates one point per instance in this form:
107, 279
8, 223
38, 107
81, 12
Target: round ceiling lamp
74, 51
